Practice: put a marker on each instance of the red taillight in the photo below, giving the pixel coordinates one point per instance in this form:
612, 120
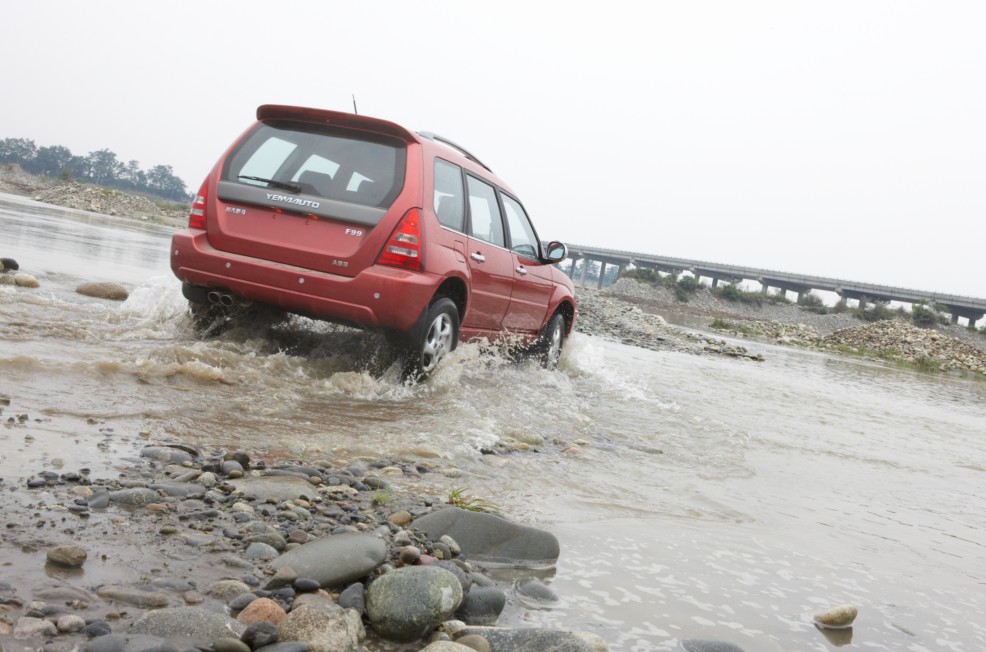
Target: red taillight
403, 249
196, 217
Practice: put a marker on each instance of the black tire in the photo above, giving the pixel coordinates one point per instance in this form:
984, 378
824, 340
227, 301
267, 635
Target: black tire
439, 338
548, 347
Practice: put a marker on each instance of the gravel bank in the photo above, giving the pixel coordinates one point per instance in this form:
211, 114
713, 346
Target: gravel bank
943, 347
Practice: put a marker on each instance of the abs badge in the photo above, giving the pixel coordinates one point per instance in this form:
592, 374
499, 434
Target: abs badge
236, 211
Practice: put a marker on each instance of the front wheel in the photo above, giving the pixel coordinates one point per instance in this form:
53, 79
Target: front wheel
548, 349
441, 335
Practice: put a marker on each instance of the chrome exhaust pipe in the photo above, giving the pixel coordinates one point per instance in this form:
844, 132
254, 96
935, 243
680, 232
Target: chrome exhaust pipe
226, 300
213, 297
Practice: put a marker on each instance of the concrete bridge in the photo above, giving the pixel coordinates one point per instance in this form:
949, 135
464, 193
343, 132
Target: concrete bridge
968, 308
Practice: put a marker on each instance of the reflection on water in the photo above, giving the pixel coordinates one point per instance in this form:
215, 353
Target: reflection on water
694, 498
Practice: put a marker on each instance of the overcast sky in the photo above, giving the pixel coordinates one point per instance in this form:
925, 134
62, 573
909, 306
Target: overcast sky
834, 138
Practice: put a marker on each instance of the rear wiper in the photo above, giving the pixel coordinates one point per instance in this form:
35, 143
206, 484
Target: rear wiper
284, 185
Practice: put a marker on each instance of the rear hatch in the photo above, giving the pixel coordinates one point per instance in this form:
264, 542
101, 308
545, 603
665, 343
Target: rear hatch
307, 188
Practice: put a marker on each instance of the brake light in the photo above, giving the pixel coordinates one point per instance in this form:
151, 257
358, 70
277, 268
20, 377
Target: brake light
196, 217
403, 249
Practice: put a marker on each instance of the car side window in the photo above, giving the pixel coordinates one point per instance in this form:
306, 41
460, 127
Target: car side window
484, 213
448, 197
523, 240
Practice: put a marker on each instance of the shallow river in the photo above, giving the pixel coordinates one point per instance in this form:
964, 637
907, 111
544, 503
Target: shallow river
694, 497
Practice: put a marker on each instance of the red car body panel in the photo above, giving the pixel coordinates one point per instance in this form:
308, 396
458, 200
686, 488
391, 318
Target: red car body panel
311, 253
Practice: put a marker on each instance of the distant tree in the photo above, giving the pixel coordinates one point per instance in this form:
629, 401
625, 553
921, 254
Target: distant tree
104, 168
161, 180
100, 167
17, 150
51, 161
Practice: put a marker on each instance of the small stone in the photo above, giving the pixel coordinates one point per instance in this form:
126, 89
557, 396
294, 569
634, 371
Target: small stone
409, 555
260, 634
401, 518
26, 281
69, 623
28, 627
261, 610
229, 644
106, 290
306, 585
837, 617
68, 556
695, 645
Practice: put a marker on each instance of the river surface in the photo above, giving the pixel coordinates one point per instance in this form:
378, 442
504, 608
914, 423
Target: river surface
694, 497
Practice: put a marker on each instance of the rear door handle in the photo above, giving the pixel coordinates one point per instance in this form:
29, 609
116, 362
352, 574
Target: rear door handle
479, 258
520, 270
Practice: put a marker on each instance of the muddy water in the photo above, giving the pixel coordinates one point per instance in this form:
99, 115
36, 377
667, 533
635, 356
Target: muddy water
693, 497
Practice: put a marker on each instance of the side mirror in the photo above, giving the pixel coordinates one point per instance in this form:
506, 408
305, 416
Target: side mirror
556, 252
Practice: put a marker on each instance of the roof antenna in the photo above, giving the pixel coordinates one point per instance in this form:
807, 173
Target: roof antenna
354, 104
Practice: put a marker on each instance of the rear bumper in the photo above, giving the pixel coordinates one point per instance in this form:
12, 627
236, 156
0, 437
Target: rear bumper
378, 297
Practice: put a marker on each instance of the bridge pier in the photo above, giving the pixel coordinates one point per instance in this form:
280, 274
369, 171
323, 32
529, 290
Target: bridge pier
602, 275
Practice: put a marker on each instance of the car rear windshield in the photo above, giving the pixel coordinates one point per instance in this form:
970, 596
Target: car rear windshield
322, 162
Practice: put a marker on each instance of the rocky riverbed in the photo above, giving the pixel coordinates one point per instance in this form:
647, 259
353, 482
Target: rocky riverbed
218, 550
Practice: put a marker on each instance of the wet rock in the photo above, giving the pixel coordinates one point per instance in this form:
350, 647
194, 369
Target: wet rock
9, 264
276, 487
68, 556
324, 628
259, 551
24, 280
534, 594
99, 500
136, 597
486, 537
838, 617
69, 623
260, 634
400, 518
130, 643
449, 646
354, 597
135, 497
261, 610
104, 290
191, 622
229, 644
482, 606
695, 645
290, 646
28, 627
226, 590
272, 539
97, 628
335, 560
527, 640
407, 603
305, 585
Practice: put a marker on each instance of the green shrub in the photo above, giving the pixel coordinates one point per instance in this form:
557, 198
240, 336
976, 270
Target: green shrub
688, 283
879, 312
644, 274
730, 293
923, 316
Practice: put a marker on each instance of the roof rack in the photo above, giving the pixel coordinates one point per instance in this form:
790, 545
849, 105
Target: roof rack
466, 152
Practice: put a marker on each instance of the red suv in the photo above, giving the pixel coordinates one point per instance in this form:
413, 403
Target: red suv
357, 220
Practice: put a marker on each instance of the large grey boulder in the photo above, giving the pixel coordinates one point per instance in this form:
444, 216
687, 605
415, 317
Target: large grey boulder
407, 603
336, 560
324, 627
490, 538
